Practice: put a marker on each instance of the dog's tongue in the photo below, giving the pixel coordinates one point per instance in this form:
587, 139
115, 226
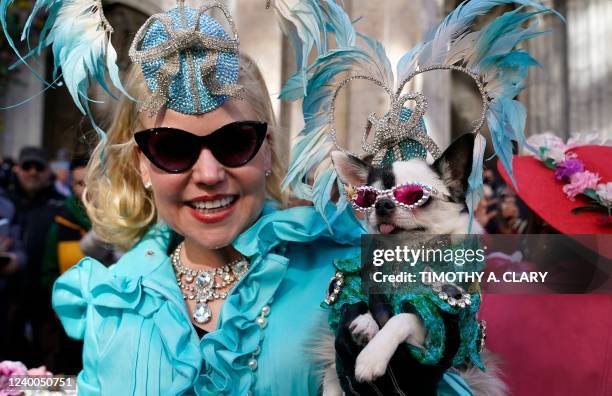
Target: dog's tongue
386, 228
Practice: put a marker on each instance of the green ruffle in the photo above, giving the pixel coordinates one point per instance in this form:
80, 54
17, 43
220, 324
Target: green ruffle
351, 291
427, 305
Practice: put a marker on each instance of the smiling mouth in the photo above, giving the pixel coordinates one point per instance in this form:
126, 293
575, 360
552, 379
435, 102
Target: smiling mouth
390, 229
210, 206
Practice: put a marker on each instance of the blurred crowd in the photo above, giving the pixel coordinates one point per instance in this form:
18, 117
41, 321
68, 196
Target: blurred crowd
44, 230
501, 211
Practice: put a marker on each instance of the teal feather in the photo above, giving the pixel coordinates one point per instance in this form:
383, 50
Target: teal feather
339, 24
506, 119
382, 62
501, 36
406, 63
451, 40
475, 191
322, 189
510, 73
80, 43
305, 25
4, 6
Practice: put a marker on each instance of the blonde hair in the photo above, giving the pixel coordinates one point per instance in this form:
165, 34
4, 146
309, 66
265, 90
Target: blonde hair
120, 208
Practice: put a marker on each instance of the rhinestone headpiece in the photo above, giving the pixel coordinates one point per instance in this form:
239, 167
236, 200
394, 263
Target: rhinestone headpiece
189, 61
400, 134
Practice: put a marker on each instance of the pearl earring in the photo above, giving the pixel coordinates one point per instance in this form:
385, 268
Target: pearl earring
148, 185
268, 173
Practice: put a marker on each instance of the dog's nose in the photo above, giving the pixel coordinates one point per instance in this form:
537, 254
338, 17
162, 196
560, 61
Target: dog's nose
384, 207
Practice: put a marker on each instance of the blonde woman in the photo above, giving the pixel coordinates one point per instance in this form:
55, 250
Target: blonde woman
219, 289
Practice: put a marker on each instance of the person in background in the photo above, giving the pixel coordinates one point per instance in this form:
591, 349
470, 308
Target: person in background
12, 263
70, 237
62, 251
6, 172
500, 211
510, 219
36, 203
61, 168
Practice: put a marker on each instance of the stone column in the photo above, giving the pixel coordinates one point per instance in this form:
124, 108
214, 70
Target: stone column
589, 34
546, 96
23, 125
262, 40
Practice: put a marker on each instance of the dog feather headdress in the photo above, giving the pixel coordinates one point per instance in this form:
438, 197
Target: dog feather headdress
189, 62
489, 56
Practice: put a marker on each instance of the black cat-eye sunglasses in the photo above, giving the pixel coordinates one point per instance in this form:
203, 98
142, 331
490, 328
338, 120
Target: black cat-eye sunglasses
175, 151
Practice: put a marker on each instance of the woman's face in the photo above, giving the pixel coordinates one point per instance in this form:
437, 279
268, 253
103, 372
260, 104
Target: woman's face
181, 198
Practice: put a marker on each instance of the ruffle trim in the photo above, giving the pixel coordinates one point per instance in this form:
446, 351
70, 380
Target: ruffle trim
89, 285
143, 281
227, 350
427, 306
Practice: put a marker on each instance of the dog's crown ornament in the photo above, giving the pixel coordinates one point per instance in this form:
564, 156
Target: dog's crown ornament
400, 134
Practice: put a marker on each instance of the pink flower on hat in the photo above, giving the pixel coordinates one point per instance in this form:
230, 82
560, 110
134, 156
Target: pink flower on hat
579, 182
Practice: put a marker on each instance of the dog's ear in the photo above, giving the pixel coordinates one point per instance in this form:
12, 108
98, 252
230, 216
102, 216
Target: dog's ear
455, 165
351, 170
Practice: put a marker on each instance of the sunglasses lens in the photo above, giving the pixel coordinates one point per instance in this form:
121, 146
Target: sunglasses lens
175, 150
171, 150
238, 143
38, 167
409, 194
365, 198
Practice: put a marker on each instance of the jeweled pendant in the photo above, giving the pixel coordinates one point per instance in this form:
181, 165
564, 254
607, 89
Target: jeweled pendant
202, 313
204, 280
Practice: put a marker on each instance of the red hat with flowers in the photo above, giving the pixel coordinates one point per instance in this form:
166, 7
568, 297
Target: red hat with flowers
569, 185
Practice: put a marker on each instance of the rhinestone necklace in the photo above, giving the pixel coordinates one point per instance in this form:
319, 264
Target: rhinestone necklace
202, 285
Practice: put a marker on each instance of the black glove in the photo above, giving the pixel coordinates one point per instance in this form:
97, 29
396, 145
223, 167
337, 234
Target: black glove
404, 375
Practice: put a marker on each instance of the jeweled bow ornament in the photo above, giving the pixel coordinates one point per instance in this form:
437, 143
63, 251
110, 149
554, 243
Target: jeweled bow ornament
394, 133
189, 62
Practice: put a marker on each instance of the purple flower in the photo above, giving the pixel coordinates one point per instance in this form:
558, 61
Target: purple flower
567, 168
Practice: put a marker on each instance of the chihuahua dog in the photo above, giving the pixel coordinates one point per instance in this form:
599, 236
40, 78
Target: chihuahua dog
438, 208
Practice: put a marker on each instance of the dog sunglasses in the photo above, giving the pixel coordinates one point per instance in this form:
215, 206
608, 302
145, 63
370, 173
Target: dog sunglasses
176, 151
409, 195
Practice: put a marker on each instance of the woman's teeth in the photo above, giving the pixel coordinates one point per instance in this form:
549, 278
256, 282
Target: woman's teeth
212, 205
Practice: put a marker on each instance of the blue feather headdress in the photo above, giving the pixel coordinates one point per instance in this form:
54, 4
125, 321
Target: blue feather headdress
489, 56
79, 35
189, 62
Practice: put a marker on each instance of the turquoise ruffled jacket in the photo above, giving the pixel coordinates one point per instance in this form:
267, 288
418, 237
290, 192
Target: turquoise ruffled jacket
139, 340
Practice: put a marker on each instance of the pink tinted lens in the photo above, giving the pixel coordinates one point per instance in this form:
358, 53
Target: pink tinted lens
365, 198
409, 194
